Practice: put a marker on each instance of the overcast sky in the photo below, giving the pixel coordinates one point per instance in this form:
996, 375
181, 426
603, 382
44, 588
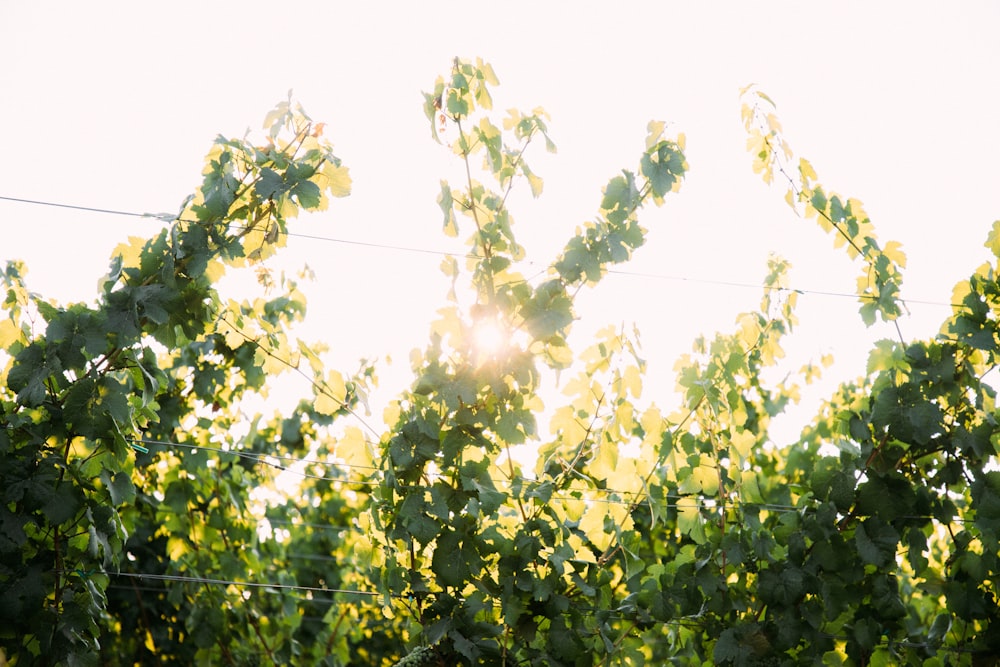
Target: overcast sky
114, 104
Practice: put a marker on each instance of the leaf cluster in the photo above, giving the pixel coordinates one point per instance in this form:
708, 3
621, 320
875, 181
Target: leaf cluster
148, 518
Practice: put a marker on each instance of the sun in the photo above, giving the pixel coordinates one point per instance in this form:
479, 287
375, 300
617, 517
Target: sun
488, 337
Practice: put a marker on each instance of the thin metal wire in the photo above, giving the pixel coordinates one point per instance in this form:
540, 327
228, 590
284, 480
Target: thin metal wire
253, 456
260, 458
383, 246
81, 208
619, 613
682, 501
248, 584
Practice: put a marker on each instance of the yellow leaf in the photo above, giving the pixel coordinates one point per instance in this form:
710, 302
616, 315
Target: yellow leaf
581, 551
806, 170
512, 119
338, 180
9, 332
214, 270
893, 250
655, 128
335, 387
689, 520
743, 441
232, 335
626, 478
750, 489
488, 74
449, 267
652, 425
592, 525
315, 363
702, 478
566, 424
749, 329
856, 208
738, 413
573, 508
176, 548
625, 417
391, 413
993, 240
707, 477
448, 325
534, 403
606, 461
271, 364
962, 289
790, 197
773, 123
130, 251
353, 448
580, 386
534, 182
324, 404
632, 381
559, 355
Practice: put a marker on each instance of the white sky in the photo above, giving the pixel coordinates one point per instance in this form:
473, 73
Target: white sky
114, 104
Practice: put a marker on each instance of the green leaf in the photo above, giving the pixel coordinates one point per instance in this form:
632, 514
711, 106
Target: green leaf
926, 419
121, 489
939, 629
781, 585
876, 542
449, 562
270, 184
423, 528
818, 200
447, 204
12, 535
727, 648
63, 504
579, 260
867, 633
986, 500
917, 543
661, 165
829, 481
28, 374
888, 496
490, 499
464, 646
563, 642
621, 197
308, 194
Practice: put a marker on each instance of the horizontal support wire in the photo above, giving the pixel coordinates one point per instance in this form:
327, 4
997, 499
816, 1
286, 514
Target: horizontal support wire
619, 613
166, 217
638, 497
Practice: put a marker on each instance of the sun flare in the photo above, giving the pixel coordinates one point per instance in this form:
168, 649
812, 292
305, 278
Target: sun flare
488, 337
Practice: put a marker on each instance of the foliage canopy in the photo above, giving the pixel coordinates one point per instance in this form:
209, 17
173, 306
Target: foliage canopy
146, 517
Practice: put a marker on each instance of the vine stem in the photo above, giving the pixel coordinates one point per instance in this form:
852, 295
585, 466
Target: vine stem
335, 628
870, 248
487, 248
321, 387
791, 182
256, 629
